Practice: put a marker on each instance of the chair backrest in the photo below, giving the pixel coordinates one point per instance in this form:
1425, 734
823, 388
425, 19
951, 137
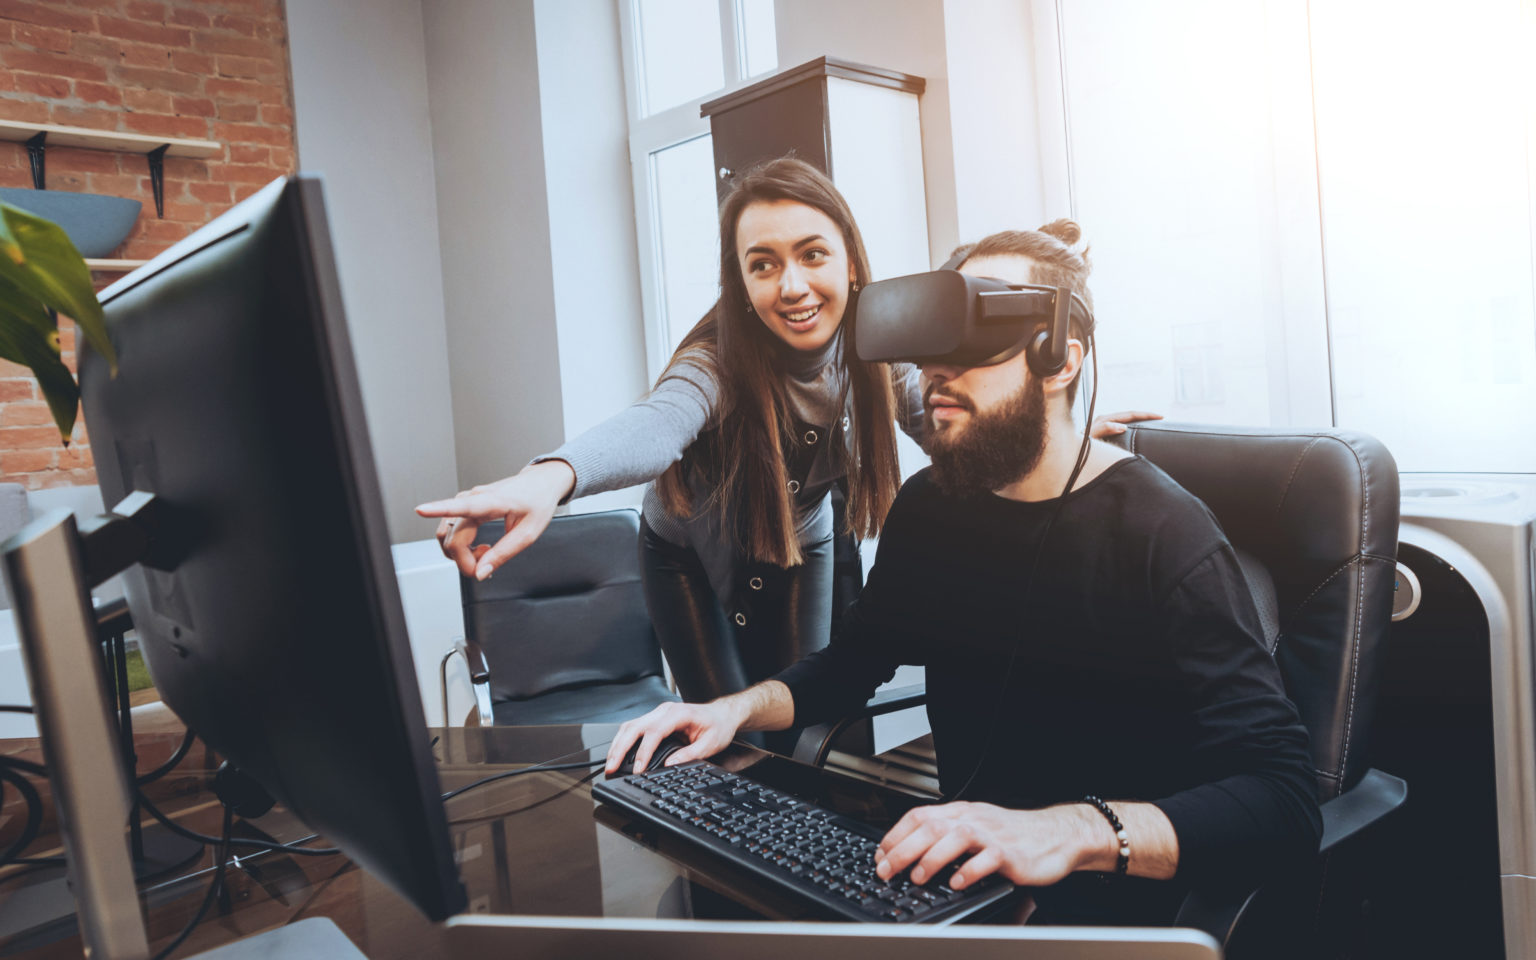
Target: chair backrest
569, 611
1318, 511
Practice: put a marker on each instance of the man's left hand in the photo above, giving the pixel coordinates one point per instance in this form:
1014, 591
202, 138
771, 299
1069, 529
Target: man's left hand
1030, 847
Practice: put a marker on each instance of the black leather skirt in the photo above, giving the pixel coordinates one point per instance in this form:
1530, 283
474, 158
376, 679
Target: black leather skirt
717, 646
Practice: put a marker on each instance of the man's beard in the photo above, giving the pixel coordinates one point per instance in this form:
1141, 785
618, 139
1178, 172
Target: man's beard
991, 450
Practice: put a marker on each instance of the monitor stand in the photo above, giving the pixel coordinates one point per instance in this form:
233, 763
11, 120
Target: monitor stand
50, 566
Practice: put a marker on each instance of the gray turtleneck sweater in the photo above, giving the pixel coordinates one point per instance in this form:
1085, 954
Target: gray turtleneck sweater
640, 442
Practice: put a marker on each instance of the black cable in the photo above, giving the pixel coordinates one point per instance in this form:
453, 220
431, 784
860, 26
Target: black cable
25, 766
581, 765
14, 708
203, 838
169, 765
485, 818
150, 777
34, 820
1093, 402
39, 770
215, 886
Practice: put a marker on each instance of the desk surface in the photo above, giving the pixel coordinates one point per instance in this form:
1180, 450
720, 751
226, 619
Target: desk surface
535, 844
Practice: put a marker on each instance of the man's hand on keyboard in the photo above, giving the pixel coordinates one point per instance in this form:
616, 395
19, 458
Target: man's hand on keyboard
708, 726
1030, 847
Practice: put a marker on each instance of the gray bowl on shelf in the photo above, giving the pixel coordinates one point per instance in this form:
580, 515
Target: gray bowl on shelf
95, 222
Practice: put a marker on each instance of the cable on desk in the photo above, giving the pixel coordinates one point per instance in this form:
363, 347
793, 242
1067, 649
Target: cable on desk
485, 818
214, 887
169, 765
25, 766
536, 768
203, 838
34, 813
37, 769
150, 777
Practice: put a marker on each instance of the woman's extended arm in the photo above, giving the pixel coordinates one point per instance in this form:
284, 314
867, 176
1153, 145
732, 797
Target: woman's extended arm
633, 446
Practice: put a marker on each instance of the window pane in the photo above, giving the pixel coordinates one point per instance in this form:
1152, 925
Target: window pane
1174, 180
680, 55
690, 242
1427, 229
758, 38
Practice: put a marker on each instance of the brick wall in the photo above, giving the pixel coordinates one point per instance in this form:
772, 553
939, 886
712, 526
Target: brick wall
214, 70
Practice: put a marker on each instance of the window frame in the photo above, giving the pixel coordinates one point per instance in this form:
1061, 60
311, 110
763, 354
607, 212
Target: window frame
652, 134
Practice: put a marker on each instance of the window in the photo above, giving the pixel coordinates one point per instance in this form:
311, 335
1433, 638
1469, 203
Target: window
688, 248
678, 54
1297, 222
1187, 144
1426, 214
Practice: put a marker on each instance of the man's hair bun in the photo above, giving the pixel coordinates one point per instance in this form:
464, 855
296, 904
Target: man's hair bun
1065, 230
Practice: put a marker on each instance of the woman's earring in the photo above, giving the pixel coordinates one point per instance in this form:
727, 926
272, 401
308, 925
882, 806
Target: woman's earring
855, 286
749, 309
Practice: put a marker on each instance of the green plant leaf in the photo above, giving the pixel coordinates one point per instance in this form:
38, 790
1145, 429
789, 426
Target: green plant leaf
18, 306
53, 271
24, 343
10, 247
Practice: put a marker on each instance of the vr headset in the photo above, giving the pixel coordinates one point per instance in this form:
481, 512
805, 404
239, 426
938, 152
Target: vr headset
946, 316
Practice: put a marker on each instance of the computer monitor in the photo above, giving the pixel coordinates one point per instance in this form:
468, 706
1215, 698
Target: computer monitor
277, 634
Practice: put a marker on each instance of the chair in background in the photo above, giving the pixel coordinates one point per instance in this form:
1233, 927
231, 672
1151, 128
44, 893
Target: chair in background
560, 633
1313, 516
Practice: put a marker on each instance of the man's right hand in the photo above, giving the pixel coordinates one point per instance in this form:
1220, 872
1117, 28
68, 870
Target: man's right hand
525, 502
708, 726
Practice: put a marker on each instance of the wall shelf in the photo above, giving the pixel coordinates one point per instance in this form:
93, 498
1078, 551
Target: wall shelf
115, 266
62, 136
39, 136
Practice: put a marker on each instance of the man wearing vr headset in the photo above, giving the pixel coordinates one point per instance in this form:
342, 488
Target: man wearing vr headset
1086, 630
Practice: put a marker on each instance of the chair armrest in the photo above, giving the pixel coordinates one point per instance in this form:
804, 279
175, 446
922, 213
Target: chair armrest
474, 658
1376, 795
889, 701
816, 741
479, 677
1219, 911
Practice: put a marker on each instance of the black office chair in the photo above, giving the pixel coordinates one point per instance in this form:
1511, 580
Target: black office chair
1313, 515
559, 634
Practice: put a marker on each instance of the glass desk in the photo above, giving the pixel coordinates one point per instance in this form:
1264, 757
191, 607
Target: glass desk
536, 844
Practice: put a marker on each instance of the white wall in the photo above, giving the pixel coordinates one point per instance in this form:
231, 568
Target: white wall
600, 329
995, 126
482, 72
544, 331
360, 110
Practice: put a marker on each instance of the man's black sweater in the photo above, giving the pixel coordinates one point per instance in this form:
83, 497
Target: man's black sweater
1132, 667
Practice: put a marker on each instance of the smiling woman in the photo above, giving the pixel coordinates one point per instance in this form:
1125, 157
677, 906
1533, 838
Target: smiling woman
761, 410
796, 270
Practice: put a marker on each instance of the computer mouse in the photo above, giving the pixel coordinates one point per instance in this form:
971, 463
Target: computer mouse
669, 745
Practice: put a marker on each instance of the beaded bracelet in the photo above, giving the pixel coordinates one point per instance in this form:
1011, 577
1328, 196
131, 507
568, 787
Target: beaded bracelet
1123, 861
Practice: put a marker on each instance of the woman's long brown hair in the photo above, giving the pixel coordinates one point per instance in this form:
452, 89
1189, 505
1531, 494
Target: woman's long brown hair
740, 457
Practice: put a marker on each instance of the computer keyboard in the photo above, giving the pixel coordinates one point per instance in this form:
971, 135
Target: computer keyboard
797, 846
